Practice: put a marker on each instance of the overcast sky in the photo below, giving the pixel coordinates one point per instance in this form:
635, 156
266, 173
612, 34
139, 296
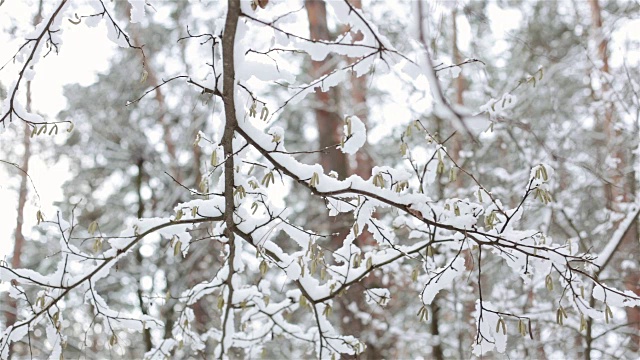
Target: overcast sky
85, 52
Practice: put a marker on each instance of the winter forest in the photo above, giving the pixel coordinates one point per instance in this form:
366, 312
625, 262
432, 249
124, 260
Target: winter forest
275, 179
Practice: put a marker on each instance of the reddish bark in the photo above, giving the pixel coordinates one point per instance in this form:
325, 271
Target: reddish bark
611, 189
618, 190
18, 244
329, 122
16, 263
363, 159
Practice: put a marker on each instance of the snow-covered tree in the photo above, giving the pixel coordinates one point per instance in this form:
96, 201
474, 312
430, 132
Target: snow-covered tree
458, 218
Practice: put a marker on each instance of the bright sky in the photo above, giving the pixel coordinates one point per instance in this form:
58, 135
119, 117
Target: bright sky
82, 55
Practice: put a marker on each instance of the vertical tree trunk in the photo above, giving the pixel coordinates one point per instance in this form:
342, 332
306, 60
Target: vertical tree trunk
146, 333
162, 111
605, 123
364, 162
328, 120
437, 352
621, 187
162, 119
456, 146
632, 280
11, 314
454, 150
329, 124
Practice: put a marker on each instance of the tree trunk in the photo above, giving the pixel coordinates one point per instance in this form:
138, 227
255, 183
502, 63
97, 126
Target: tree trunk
154, 82
328, 120
146, 333
621, 185
435, 307
606, 123
456, 146
329, 123
363, 161
632, 279
16, 263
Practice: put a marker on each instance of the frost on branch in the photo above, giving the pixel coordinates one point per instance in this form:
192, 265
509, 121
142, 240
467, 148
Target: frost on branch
44, 39
355, 135
276, 277
47, 38
137, 10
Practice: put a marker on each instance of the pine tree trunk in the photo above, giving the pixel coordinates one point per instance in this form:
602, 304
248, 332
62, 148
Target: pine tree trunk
146, 333
11, 315
364, 161
328, 120
621, 187
329, 124
16, 263
605, 123
436, 352
456, 146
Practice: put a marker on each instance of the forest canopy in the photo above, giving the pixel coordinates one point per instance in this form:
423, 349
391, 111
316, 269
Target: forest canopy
323, 179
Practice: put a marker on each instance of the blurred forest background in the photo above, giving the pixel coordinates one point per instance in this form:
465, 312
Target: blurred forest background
572, 67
